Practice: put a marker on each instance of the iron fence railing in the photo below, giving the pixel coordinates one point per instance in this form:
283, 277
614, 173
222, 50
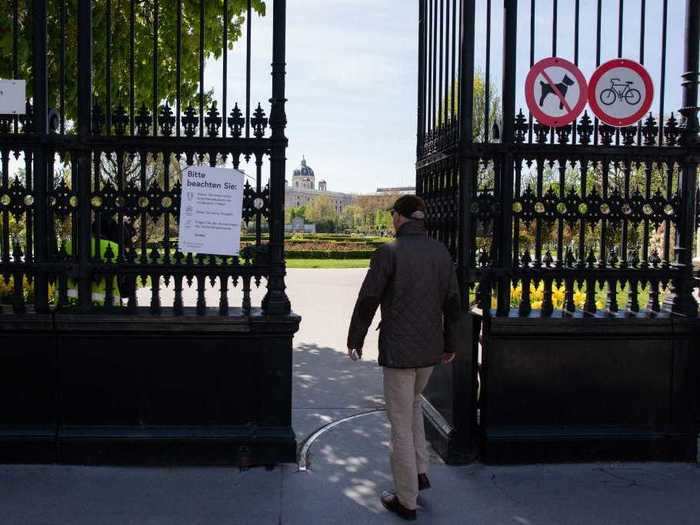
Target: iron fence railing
118, 105
587, 219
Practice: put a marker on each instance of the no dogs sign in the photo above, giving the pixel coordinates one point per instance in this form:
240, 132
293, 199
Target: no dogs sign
555, 91
620, 92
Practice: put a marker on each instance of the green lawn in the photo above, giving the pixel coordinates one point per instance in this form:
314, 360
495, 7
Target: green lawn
327, 263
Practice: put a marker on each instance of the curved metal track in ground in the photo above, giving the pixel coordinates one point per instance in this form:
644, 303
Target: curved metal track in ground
303, 462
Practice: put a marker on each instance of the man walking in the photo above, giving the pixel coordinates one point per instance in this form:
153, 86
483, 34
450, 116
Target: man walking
414, 282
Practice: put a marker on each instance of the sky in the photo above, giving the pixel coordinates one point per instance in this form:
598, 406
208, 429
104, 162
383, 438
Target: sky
351, 88
352, 74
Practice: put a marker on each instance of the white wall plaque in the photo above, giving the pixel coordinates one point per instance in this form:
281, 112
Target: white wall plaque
13, 97
211, 209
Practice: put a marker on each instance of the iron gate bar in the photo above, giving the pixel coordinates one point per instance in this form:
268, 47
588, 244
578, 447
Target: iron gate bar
224, 94
662, 90
132, 65
201, 68
39, 169
420, 125
178, 73
154, 109
487, 74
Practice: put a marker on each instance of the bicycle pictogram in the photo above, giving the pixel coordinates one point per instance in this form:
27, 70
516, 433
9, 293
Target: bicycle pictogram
622, 91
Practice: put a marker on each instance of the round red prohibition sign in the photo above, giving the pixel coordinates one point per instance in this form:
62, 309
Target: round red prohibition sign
620, 92
555, 91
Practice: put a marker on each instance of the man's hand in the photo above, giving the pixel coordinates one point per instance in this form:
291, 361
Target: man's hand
448, 357
355, 353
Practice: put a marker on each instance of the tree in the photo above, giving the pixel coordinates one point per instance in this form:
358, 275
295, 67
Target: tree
120, 48
480, 103
382, 220
374, 211
351, 217
292, 213
320, 209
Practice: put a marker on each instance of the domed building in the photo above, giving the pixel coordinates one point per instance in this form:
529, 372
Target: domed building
303, 189
304, 177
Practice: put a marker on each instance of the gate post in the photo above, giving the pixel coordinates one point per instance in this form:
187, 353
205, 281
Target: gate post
39, 171
276, 301
84, 118
505, 230
681, 299
691, 76
466, 134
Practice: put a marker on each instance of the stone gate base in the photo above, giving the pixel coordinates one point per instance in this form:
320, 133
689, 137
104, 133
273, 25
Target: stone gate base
573, 389
118, 389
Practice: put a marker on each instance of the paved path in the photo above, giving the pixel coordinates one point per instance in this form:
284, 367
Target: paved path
349, 464
327, 385
343, 488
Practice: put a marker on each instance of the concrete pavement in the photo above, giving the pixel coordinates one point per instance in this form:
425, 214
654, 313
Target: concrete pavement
348, 464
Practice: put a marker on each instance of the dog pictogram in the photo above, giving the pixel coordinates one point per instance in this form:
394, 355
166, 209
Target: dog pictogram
555, 91
563, 87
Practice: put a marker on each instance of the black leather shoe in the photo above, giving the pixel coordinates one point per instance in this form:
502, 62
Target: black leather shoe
423, 482
392, 504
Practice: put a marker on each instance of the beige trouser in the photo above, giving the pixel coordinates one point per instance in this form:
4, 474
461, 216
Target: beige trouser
409, 453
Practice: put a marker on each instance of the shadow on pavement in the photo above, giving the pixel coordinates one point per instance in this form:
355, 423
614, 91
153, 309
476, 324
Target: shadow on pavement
325, 378
329, 386
349, 468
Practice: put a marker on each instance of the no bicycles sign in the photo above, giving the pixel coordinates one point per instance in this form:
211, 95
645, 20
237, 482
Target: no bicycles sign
620, 92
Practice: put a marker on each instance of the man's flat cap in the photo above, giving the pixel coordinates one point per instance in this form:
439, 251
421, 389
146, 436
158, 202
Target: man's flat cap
410, 206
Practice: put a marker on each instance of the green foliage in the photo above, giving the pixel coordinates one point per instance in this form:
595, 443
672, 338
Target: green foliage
329, 254
449, 108
16, 229
292, 213
366, 215
320, 209
329, 239
323, 214
329, 246
120, 50
351, 217
382, 220
327, 263
327, 226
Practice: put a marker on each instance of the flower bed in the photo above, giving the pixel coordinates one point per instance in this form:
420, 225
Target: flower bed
327, 246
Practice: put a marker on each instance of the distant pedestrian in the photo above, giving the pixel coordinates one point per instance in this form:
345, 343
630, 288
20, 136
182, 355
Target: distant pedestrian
414, 281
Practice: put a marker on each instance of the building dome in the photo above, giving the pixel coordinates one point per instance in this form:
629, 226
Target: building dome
304, 177
304, 170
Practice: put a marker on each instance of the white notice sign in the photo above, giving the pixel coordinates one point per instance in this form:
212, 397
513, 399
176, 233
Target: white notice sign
12, 97
211, 209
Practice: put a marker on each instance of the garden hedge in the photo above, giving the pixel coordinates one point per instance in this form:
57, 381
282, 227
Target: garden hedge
329, 254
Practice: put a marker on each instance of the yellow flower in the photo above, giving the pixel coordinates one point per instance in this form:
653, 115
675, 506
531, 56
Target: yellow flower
516, 293
558, 296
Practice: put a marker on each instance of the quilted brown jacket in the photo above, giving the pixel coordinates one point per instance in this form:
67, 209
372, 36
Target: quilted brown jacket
414, 281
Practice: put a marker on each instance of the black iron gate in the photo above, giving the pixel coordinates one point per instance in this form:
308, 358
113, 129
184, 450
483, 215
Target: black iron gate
106, 355
575, 244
